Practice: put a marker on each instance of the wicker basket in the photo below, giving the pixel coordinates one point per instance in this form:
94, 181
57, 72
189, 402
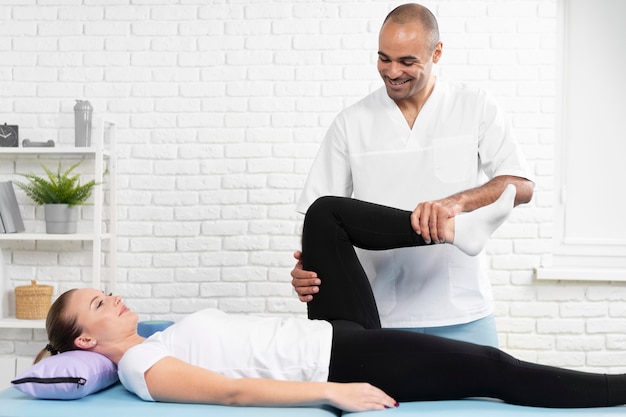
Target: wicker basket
32, 301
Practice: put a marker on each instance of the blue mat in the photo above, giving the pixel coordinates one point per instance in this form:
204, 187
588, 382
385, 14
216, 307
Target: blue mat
116, 401
486, 408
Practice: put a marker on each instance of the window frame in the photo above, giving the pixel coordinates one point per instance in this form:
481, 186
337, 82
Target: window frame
595, 258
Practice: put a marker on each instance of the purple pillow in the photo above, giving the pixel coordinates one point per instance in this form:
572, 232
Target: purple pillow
67, 376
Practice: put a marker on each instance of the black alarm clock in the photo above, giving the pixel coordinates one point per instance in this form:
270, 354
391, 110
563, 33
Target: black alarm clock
9, 136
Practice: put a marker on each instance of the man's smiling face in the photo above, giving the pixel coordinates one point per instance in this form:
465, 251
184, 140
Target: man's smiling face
405, 59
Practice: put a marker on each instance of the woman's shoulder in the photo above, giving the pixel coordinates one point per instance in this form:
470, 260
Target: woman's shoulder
135, 362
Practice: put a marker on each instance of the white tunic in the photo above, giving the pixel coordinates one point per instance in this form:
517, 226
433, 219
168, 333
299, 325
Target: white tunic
294, 349
371, 153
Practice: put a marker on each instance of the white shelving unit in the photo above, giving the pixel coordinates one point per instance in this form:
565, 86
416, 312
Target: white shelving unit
102, 152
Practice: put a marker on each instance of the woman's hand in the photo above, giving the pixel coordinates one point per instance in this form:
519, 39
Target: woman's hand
359, 396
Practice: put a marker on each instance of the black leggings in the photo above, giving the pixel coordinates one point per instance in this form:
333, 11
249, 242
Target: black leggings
412, 366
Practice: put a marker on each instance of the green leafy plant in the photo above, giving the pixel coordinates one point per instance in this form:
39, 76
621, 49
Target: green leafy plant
58, 188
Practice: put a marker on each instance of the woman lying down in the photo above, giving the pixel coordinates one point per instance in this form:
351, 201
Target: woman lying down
340, 356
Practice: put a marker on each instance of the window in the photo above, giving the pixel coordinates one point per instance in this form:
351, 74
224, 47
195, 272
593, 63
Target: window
590, 158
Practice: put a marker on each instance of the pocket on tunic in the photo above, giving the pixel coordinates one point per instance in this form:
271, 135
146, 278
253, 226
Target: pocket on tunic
455, 158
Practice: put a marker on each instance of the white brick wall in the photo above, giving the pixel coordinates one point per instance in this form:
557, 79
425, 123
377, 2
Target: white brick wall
220, 109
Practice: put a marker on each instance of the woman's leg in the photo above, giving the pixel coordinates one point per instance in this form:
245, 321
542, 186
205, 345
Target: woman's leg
418, 367
331, 227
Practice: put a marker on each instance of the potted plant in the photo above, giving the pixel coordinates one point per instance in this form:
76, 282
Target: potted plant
60, 193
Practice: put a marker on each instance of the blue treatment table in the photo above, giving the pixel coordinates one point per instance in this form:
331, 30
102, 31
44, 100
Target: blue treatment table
486, 408
117, 401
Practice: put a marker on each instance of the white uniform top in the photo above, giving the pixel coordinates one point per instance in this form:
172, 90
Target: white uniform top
294, 349
370, 153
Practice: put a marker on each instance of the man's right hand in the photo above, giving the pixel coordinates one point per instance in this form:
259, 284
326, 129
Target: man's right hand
306, 283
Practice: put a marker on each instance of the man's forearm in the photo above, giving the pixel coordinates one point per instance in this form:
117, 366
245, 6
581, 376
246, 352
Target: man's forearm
489, 192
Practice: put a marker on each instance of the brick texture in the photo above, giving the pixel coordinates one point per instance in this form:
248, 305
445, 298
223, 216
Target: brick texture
220, 110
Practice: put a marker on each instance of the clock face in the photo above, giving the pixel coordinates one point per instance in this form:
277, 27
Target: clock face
8, 135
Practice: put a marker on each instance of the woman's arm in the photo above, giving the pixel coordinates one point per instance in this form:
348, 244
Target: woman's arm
172, 380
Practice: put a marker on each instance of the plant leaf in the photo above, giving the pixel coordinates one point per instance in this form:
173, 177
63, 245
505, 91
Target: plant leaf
58, 188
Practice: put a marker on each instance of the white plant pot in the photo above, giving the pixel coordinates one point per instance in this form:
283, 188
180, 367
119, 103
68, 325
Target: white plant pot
61, 218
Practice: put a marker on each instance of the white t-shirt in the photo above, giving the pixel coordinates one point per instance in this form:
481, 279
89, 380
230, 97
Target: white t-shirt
294, 349
372, 154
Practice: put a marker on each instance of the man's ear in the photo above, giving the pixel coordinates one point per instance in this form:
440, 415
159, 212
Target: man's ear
437, 52
85, 342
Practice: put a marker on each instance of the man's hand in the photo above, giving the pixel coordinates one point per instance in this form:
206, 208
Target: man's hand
306, 283
428, 218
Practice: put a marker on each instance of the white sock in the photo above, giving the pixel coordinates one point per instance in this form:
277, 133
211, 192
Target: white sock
473, 229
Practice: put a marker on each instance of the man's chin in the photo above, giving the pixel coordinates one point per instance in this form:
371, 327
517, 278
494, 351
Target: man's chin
396, 95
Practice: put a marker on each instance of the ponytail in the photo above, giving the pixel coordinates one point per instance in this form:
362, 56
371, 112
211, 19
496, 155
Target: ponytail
43, 353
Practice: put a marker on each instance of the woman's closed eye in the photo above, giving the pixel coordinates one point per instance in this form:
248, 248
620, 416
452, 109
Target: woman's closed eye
100, 302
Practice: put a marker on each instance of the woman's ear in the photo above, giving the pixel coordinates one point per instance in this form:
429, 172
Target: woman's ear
85, 342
